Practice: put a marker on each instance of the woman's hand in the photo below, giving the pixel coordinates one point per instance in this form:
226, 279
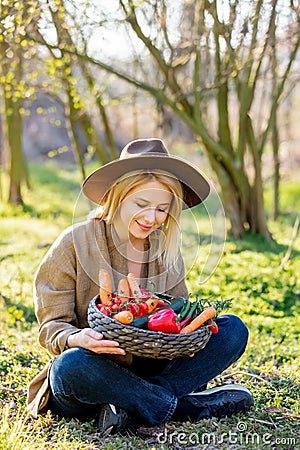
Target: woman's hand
92, 340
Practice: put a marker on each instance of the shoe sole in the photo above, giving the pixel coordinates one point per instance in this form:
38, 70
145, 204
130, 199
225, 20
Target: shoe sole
224, 387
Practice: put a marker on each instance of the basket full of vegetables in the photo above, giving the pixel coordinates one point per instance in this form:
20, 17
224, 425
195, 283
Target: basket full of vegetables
147, 324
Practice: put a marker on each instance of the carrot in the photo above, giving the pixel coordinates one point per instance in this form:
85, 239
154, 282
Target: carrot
105, 287
207, 314
134, 286
123, 290
125, 317
152, 303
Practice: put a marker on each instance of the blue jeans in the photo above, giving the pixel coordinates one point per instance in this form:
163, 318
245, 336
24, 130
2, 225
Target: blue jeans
82, 380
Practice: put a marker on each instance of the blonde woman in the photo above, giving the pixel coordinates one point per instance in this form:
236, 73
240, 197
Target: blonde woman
140, 197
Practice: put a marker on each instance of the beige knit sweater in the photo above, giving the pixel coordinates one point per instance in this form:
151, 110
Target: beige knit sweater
67, 280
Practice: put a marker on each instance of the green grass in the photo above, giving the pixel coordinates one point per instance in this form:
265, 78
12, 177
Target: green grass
265, 296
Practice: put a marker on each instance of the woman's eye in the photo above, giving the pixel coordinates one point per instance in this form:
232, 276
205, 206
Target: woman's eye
162, 210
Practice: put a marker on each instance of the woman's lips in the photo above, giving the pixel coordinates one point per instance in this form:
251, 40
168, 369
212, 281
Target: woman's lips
143, 227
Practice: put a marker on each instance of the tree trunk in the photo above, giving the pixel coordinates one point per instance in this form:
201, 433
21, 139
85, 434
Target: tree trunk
70, 125
13, 127
257, 218
274, 125
17, 164
100, 151
232, 209
230, 197
15, 196
256, 214
243, 207
276, 162
93, 137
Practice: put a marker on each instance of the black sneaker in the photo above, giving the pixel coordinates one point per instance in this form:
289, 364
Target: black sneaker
220, 401
113, 420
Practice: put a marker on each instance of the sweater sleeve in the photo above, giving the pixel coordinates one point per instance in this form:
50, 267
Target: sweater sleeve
54, 295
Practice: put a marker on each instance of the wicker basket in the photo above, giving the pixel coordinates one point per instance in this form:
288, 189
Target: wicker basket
146, 343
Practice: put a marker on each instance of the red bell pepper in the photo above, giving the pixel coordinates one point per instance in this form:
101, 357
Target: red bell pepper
166, 320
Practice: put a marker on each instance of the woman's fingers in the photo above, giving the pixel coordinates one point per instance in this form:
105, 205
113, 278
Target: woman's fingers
92, 333
109, 350
92, 340
107, 346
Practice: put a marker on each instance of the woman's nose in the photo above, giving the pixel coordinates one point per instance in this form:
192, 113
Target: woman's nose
149, 215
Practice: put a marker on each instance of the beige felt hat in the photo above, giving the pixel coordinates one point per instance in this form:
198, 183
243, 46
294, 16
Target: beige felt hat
147, 154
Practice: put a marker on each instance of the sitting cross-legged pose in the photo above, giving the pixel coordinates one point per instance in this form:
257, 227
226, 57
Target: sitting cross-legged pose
140, 197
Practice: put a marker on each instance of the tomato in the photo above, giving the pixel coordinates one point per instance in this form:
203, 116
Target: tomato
103, 309
115, 308
213, 327
110, 304
117, 301
123, 307
138, 309
143, 309
134, 309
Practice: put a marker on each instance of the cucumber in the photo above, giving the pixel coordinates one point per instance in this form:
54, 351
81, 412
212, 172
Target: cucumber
185, 309
191, 312
198, 310
176, 303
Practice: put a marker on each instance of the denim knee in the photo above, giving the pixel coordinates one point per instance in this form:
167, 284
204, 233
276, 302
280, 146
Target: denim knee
65, 367
236, 333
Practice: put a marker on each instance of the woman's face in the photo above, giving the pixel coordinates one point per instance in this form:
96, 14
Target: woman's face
145, 209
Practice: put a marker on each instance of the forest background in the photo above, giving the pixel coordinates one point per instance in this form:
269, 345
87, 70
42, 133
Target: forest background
219, 82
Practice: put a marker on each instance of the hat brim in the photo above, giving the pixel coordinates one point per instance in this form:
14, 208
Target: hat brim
196, 188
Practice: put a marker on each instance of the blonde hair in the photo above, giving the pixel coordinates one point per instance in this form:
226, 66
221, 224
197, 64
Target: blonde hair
170, 228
